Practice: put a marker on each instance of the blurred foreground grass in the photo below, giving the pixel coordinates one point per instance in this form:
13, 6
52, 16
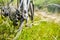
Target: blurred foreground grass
43, 31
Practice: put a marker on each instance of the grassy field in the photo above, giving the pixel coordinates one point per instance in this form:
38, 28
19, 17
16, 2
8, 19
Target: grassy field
42, 30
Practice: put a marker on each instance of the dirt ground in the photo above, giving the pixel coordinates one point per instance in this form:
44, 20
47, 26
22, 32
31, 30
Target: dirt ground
55, 17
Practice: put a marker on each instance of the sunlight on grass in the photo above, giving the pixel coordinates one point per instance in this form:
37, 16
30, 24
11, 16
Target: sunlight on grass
44, 31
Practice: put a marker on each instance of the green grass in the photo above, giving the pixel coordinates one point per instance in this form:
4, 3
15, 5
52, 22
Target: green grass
43, 31
7, 30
